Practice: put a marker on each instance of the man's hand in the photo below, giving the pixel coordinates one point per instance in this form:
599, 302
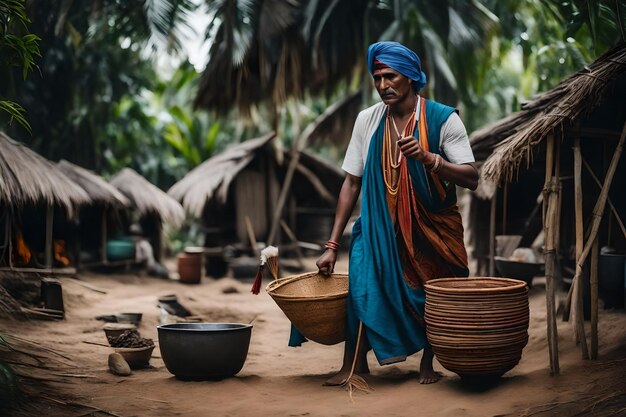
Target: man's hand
326, 262
410, 147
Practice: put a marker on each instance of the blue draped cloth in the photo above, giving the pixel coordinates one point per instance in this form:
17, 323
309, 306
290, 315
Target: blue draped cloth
400, 58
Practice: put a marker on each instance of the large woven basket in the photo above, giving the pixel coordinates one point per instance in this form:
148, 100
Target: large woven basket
477, 326
314, 303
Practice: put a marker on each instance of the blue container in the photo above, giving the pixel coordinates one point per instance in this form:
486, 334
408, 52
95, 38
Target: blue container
120, 249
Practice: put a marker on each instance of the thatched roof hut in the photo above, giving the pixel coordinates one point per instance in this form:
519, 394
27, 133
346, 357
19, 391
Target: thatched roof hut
37, 201
98, 189
98, 220
147, 198
28, 178
153, 206
244, 182
503, 146
561, 143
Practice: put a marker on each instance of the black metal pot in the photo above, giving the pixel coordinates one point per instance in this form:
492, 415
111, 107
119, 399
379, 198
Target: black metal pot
204, 350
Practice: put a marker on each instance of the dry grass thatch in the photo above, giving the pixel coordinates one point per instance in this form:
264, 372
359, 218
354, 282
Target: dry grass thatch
212, 178
147, 198
94, 185
28, 178
508, 142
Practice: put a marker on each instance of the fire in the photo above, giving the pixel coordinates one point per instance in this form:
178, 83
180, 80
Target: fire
22, 249
59, 252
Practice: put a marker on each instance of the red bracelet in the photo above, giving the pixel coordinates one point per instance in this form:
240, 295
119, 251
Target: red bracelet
332, 245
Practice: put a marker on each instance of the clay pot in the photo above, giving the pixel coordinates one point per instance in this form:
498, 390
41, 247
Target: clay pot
190, 268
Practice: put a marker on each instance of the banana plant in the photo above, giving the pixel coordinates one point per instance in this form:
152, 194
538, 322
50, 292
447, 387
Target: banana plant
18, 48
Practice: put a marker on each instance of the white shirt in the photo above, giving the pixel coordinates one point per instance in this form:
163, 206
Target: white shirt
453, 139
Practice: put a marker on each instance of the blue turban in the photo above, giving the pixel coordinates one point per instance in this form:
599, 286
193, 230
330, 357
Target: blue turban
399, 58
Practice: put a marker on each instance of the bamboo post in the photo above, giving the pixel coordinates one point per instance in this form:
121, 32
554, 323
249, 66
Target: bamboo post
49, 224
600, 205
602, 199
618, 219
594, 299
294, 240
103, 237
505, 208
578, 284
492, 234
251, 236
549, 201
10, 234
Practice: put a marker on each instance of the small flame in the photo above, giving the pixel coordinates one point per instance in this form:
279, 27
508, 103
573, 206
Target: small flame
59, 252
22, 249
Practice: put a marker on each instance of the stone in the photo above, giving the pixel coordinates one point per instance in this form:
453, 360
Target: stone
118, 365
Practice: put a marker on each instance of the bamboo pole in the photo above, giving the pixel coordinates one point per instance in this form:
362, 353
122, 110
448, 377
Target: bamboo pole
103, 237
578, 284
549, 201
594, 299
49, 224
492, 234
10, 232
600, 205
618, 219
505, 208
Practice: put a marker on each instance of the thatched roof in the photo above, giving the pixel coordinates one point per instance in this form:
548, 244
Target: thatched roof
212, 178
507, 143
94, 185
28, 178
148, 198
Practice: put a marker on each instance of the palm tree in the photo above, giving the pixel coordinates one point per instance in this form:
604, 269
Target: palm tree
269, 50
93, 54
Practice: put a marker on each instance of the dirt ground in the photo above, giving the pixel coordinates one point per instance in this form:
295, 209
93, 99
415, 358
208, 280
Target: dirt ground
281, 381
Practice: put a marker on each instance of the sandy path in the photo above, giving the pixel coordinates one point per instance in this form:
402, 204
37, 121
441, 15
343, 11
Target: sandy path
281, 381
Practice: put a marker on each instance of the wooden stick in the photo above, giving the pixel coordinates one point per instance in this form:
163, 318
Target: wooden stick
578, 284
84, 284
49, 228
75, 404
492, 234
95, 343
38, 345
613, 209
152, 399
601, 203
294, 239
549, 202
74, 375
594, 299
251, 236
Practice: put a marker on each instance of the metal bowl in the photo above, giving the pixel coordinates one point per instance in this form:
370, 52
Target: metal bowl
204, 350
132, 318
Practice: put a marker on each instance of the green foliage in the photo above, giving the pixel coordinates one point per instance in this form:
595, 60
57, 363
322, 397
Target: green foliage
16, 50
9, 389
94, 55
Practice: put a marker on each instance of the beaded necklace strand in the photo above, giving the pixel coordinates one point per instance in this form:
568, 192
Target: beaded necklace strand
391, 157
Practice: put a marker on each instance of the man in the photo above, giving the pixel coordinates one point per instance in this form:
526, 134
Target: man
406, 155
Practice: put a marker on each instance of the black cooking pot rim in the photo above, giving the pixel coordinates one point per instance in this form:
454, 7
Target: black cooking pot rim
199, 327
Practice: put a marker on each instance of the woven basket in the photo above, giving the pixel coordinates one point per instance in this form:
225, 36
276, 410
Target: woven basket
477, 326
314, 303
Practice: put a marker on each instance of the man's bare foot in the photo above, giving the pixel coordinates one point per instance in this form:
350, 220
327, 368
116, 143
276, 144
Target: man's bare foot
429, 376
427, 373
341, 377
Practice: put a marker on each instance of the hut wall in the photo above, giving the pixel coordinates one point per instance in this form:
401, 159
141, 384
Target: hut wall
251, 197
